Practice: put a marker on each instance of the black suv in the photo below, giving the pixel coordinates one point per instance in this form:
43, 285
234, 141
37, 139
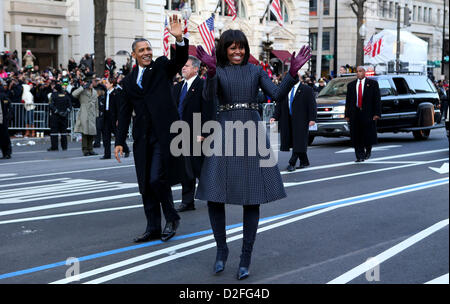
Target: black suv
410, 103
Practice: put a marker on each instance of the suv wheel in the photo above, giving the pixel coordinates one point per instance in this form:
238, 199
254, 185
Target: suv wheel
421, 134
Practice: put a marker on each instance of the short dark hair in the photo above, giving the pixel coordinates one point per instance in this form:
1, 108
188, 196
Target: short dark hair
195, 61
228, 38
139, 40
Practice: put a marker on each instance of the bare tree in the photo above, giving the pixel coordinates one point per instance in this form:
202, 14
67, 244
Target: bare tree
358, 8
101, 11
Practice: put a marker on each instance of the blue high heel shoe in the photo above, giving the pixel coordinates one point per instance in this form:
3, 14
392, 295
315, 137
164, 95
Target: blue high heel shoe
242, 273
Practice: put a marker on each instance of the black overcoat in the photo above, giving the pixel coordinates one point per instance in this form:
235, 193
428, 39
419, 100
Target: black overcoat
193, 103
294, 131
155, 112
371, 106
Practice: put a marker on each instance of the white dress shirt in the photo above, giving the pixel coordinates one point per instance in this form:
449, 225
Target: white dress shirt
189, 82
290, 94
107, 99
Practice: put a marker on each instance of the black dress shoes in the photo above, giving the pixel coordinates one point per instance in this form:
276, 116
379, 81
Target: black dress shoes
105, 157
127, 154
50, 149
186, 207
6, 157
290, 168
169, 230
242, 273
303, 166
367, 155
219, 266
92, 153
147, 236
221, 259
359, 160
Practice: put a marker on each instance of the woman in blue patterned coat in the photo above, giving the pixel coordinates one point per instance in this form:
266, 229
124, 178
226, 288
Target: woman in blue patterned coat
232, 85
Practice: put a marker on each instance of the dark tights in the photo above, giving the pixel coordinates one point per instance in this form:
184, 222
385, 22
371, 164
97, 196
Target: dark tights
217, 218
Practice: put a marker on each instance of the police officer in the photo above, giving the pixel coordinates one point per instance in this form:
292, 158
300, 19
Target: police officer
60, 107
5, 112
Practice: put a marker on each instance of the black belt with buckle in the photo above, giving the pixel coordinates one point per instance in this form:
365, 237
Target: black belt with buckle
237, 106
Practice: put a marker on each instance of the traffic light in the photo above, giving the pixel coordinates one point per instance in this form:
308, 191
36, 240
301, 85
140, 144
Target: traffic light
407, 16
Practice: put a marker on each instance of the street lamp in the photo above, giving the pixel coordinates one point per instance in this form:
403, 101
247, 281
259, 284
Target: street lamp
219, 27
126, 53
267, 45
186, 12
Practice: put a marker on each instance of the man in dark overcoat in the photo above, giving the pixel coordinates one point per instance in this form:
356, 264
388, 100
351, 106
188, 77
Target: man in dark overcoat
147, 92
5, 113
362, 110
188, 96
295, 114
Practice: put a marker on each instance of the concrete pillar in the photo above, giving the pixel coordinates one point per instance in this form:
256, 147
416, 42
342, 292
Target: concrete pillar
2, 27
63, 48
16, 40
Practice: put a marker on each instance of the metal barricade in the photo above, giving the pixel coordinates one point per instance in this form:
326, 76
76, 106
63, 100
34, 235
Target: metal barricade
38, 119
268, 110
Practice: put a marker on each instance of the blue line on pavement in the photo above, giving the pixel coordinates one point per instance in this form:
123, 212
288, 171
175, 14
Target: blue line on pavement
205, 232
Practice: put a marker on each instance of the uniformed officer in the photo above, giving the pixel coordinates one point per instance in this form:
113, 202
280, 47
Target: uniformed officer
60, 107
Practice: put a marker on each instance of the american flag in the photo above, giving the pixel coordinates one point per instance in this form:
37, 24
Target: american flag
185, 30
166, 39
368, 47
206, 30
231, 8
376, 50
275, 8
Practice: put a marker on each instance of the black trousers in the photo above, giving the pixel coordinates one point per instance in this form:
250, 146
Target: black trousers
158, 194
5, 141
188, 192
106, 130
361, 148
98, 136
58, 126
299, 155
217, 218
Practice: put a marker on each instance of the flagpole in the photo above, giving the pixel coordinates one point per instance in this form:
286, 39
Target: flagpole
217, 7
267, 9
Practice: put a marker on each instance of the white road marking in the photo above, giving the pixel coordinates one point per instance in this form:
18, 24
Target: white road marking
368, 265
8, 175
442, 170
368, 161
376, 148
441, 280
286, 184
353, 201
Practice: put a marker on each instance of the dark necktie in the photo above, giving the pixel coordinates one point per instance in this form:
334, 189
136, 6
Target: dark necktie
291, 99
181, 100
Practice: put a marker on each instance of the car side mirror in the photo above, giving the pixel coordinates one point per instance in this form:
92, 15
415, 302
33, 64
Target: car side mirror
385, 92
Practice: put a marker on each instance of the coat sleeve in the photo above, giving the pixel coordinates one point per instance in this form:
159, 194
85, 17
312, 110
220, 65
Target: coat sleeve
348, 101
179, 59
124, 117
276, 92
376, 99
76, 94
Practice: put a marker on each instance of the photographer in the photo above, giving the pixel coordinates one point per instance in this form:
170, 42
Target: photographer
86, 117
60, 107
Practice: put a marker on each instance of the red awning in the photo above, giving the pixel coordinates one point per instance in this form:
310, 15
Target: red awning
283, 55
253, 60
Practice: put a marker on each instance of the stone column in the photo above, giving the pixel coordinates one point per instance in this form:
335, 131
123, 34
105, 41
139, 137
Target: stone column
2, 32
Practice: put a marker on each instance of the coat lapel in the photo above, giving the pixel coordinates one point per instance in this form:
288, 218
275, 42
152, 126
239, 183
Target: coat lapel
191, 91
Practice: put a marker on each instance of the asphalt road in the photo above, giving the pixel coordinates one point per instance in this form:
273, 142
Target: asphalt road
338, 214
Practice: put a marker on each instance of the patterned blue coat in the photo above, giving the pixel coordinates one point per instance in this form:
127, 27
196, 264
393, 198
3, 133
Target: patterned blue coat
240, 180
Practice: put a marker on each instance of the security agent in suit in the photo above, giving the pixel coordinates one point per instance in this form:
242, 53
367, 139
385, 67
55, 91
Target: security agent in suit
296, 113
146, 91
114, 109
189, 99
362, 110
108, 117
60, 106
5, 112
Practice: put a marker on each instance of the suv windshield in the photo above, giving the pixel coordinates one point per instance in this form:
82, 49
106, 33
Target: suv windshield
336, 87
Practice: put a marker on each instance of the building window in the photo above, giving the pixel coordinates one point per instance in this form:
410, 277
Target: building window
313, 41
325, 41
419, 14
178, 5
384, 9
137, 4
240, 8
429, 15
326, 7
438, 16
391, 9
414, 13
313, 7
425, 15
